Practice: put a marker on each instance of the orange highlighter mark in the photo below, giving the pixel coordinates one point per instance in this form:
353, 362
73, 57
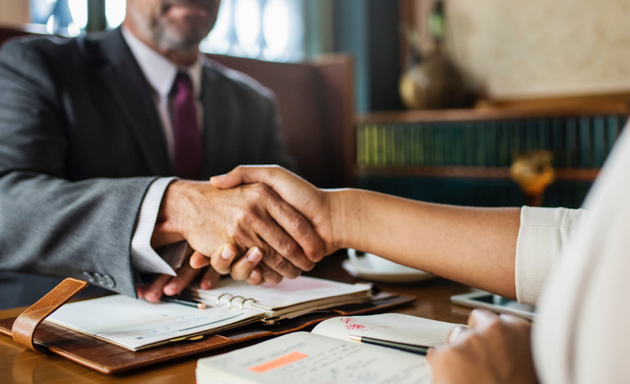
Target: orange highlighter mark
279, 362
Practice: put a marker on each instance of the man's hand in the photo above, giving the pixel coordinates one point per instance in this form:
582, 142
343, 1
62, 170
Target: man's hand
316, 205
174, 285
250, 217
494, 349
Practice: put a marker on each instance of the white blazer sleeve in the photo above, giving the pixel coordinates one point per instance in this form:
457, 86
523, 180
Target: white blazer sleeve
541, 236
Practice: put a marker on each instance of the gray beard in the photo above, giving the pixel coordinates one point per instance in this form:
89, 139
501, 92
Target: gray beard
165, 40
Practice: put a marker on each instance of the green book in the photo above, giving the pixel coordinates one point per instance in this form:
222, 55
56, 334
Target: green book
438, 147
614, 128
530, 135
469, 144
571, 154
382, 147
544, 134
481, 144
492, 144
557, 143
503, 140
599, 141
458, 144
585, 143
376, 144
418, 144
399, 145
428, 144
448, 144
360, 142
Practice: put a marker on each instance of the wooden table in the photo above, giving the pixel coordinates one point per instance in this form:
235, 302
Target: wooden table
18, 365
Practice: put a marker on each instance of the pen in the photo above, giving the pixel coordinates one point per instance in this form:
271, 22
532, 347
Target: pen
183, 301
413, 348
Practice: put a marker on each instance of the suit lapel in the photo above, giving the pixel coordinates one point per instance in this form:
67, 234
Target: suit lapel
125, 80
220, 136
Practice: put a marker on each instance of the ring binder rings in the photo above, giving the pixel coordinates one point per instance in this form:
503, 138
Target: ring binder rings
288, 299
233, 297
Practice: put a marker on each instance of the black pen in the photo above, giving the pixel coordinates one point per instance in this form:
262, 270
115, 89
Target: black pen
183, 301
413, 348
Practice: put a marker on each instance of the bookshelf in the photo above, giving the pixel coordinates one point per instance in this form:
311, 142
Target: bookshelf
407, 153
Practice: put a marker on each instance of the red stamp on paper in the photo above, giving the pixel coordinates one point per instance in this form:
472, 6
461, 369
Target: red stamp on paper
352, 324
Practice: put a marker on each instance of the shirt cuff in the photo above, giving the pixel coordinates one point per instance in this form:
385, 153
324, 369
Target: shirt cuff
144, 259
541, 236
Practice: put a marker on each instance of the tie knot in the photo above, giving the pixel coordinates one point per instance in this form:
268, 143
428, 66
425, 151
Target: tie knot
182, 83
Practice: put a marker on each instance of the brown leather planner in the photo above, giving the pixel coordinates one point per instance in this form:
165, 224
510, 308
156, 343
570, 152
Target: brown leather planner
29, 331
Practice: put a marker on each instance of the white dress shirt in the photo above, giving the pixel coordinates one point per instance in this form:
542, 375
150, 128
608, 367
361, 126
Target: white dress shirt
160, 74
581, 331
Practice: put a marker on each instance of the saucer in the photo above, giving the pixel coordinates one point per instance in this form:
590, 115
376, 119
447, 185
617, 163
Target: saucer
403, 275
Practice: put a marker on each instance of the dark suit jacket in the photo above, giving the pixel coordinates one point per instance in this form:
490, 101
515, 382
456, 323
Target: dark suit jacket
81, 141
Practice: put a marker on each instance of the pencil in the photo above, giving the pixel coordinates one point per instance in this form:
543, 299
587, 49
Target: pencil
183, 301
413, 348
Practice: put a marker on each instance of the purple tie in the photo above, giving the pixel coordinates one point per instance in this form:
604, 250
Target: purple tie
188, 151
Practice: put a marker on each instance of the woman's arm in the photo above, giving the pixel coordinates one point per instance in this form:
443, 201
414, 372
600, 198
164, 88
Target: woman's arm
475, 246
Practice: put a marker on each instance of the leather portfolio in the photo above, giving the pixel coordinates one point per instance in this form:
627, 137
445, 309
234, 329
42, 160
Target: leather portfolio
30, 331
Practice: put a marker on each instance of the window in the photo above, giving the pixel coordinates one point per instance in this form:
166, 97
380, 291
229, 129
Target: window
262, 29
70, 17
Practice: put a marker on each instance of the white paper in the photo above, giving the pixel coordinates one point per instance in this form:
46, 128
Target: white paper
389, 326
133, 323
303, 357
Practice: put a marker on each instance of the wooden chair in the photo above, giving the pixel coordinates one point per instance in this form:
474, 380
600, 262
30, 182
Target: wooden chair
316, 102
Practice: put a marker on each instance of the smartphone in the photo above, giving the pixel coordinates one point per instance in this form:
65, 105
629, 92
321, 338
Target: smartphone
494, 303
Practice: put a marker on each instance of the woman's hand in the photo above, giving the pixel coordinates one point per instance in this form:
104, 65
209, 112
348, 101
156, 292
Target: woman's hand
310, 201
494, 349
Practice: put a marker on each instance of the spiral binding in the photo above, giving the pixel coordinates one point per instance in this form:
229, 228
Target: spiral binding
233, 297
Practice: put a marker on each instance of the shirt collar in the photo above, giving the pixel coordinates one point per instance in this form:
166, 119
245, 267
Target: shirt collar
160, 71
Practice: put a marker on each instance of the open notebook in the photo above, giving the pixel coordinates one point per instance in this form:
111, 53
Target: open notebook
137, 324
327, 356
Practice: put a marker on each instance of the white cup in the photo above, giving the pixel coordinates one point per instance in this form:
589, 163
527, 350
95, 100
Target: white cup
376, 263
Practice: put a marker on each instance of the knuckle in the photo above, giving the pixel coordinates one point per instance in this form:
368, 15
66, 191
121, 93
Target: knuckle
314, 250
237, 274
274, 261
300, 225
220, 266
291, 249
273, 278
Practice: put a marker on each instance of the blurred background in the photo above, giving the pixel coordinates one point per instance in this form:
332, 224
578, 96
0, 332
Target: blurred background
486, 102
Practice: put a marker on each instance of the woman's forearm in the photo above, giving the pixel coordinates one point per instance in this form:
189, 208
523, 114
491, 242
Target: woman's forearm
475, 246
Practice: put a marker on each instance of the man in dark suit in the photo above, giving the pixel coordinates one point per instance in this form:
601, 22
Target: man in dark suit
88, 126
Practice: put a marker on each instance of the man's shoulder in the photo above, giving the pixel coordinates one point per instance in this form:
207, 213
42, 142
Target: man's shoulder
53, 49
239, 81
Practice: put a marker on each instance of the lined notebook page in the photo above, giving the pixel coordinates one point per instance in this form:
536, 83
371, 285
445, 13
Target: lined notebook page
134, 324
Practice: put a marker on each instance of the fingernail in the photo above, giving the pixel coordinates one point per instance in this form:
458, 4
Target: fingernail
253, 275
254, 256
150, 296
227, 253
172, 287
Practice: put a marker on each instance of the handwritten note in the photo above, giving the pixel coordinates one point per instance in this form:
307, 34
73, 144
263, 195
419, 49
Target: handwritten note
307, 358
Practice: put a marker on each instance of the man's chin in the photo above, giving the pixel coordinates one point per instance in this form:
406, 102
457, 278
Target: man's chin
188, 30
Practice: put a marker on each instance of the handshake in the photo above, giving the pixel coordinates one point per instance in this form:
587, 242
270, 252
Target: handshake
256, 223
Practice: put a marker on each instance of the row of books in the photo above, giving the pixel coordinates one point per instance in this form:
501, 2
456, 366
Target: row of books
575, 142
474, 192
